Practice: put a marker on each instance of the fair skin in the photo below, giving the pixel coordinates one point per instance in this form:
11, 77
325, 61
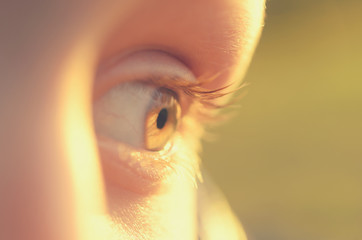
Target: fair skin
60, 179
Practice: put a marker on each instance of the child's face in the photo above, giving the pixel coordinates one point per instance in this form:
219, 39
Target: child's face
126, 69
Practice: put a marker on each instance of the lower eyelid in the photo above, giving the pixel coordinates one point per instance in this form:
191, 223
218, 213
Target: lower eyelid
138, 170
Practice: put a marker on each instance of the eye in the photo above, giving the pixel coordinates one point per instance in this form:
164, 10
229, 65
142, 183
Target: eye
138, 114
161, 120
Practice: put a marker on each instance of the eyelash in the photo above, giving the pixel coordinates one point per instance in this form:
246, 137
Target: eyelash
199, 95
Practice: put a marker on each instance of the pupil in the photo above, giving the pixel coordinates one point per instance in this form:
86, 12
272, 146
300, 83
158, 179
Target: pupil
162, 118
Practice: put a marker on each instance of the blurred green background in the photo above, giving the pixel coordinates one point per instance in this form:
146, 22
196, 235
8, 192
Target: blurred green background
290, 162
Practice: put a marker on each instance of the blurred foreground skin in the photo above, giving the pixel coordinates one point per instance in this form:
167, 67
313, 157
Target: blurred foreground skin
51, 181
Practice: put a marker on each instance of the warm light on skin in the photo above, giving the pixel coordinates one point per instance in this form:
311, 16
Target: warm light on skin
218, 220
51, 165
80, 142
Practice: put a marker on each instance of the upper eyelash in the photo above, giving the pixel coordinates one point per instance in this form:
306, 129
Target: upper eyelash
195, 90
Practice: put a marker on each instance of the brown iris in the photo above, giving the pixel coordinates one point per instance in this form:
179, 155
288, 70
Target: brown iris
161, 120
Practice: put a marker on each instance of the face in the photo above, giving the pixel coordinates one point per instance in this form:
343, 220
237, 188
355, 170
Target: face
103, 106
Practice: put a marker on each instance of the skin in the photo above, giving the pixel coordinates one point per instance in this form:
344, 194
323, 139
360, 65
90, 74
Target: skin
53, 182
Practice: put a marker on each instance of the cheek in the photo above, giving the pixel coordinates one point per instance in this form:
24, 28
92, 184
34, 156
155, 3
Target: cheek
164, 210
162, 216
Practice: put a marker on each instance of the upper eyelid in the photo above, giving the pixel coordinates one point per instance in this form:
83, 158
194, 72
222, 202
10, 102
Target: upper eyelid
178, 78
183, 69
137, 67
113, 59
